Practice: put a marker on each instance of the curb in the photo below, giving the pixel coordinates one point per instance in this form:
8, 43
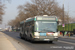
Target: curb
13, 41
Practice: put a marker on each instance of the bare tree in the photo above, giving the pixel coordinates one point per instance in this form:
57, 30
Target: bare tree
72, 20
40, 7
2, 6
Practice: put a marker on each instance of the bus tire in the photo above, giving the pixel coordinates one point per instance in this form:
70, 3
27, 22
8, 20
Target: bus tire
21, 36
25, 37
31, 39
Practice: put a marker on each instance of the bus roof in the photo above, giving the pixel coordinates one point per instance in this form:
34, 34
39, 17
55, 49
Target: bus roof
39, 18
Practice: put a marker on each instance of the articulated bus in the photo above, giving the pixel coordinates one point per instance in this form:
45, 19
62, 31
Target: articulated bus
39, 28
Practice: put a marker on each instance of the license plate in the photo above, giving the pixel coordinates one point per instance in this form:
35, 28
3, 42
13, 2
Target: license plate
46, 39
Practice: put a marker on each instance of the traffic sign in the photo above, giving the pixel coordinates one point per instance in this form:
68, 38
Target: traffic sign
63, 25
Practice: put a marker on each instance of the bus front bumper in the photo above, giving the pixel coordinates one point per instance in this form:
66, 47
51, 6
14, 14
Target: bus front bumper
45, 39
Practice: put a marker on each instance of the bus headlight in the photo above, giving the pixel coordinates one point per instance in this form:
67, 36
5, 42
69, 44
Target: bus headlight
36, 34
55, 34
36, 37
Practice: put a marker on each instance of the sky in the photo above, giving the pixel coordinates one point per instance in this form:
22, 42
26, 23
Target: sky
11, 10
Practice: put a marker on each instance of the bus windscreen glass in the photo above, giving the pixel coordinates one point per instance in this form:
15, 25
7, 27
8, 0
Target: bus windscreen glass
46, 26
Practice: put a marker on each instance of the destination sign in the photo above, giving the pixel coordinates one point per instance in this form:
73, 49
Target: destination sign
48, 18
45, 18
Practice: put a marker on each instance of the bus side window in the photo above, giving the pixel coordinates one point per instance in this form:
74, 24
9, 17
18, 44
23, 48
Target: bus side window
32, 28
28, 25
22, 29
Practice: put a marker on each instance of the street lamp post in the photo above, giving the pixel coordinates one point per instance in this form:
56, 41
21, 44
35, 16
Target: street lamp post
68, 17
63, 18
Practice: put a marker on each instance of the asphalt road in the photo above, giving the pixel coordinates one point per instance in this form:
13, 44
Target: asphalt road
61, 44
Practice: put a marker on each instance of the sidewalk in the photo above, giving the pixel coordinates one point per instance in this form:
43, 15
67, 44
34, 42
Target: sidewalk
5, 44
71, 37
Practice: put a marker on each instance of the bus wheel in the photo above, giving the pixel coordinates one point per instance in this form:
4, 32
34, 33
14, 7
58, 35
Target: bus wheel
25, 37
21, 36
32, 39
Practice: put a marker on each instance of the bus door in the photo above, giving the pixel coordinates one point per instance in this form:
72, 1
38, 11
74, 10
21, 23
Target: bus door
21, 29
31, 28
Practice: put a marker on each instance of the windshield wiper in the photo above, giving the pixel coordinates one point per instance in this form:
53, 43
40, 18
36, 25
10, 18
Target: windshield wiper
47, 30
41, 31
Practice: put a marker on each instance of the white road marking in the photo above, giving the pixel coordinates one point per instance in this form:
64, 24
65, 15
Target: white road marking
66, 42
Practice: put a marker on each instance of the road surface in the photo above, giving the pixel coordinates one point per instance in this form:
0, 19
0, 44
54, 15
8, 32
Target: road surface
61, 44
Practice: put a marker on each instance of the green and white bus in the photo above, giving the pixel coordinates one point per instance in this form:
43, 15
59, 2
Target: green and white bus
39, 28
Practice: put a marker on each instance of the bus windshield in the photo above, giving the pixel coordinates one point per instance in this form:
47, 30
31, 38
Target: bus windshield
45, 26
